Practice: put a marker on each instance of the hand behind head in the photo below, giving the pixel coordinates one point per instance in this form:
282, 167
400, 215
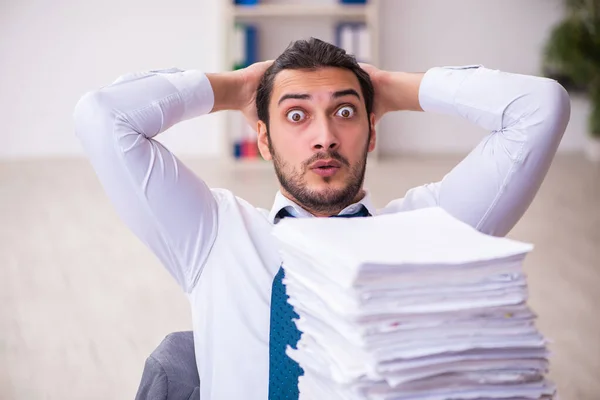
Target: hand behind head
251, 76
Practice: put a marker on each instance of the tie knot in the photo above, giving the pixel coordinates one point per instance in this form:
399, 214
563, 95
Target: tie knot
361, 212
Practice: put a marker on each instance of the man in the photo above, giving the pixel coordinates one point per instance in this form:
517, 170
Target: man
315, 111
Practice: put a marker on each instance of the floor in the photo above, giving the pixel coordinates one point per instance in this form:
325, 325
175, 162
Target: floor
83, 303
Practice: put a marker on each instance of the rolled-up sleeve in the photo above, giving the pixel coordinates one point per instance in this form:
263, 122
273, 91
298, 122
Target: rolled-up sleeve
526, 117
163, 202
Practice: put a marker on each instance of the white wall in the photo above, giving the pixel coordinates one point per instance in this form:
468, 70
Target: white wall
501, 34
53, 52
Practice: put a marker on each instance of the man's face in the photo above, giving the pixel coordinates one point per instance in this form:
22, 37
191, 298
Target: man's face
319, 137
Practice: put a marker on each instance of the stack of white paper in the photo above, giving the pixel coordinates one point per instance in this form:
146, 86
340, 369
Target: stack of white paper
414, 305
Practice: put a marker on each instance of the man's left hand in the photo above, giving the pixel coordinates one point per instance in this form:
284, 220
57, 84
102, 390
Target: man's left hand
394, 91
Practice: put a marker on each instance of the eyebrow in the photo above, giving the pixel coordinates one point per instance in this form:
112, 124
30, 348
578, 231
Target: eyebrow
296, 96
347, 92
303, 96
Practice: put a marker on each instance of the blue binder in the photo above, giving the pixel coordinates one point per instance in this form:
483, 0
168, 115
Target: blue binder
251, 45
246, 38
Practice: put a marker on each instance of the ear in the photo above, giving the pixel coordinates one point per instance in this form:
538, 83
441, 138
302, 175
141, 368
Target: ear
373, 138
263, 141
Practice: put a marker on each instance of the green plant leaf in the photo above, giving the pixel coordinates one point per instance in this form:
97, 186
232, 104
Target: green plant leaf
573, 51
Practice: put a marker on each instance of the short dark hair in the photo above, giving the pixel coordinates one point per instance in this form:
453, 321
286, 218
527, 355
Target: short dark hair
311, 54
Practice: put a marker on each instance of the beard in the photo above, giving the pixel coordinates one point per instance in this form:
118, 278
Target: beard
328, 200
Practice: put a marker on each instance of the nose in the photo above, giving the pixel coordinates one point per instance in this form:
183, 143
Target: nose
325, 136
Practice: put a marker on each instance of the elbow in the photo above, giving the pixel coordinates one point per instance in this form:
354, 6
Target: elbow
91, 112
555, 108
559, 102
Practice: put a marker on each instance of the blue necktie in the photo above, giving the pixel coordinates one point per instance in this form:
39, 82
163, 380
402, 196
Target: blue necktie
283, 371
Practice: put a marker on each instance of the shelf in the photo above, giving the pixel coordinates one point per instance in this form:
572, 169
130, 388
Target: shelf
293, 20
290, 10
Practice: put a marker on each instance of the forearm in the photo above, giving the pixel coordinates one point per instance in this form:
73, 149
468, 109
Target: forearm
226, 88
147, 102
496, 100
400, 91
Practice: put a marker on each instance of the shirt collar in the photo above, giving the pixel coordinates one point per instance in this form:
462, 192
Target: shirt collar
294, 209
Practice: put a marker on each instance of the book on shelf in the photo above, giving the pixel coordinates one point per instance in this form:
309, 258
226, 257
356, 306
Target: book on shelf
245, 53
355, 38
245, 45
245, 146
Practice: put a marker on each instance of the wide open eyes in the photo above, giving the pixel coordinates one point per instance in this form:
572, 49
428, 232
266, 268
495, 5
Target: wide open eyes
345, 112
296, 116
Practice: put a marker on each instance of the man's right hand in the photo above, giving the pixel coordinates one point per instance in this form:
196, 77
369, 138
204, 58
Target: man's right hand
236, 90
251, 77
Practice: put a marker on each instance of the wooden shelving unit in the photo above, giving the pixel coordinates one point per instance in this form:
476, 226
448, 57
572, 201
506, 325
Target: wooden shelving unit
326, 12
353, 11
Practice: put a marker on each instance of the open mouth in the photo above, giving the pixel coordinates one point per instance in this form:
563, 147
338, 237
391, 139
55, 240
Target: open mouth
326, 164
326, 168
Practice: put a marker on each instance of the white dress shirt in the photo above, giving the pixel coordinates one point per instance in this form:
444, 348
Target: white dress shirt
219, 247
